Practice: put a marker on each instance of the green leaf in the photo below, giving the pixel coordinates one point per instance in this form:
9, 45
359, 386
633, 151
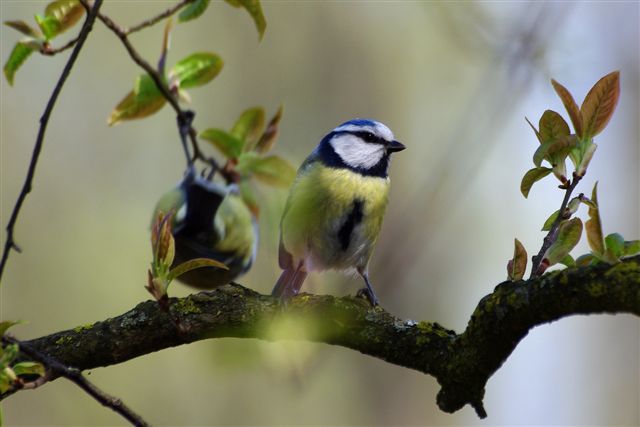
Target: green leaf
193, 264
554, 150
518, 264
193, 11
249, 197
28, 368
268, 138
631, 247
549, 222
588, 202
49, 25
24, 28
9, 353
599, 104
255, 10
568, 261
66, 12
531, 177
144, 100
586, 157
614, 243
570, 105
21, 51
272, 170
585, 260
249, 127
552, 126
569, 234
594, 227
229, 145
196, 70
7, 324
5, 382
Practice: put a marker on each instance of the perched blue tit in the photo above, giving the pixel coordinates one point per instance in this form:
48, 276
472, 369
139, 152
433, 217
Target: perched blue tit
336, 205
210, 221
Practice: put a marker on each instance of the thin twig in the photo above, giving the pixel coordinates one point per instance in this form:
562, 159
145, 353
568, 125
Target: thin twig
59, 370
50, 51
552, 234
152, 21
44, 120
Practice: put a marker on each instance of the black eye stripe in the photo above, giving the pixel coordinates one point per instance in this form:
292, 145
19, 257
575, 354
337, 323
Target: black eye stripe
369, 137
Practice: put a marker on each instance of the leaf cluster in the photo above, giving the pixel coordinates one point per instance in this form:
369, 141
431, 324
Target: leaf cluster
14, 374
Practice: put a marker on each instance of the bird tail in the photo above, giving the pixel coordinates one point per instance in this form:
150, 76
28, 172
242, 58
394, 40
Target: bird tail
290, 282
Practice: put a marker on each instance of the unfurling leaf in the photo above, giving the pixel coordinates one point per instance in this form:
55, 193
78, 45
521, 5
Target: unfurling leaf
49, 25
518, 264
28, 368
18, 55
570, 105
268, 138
599, 104
531, 177
66, 12
193, 264
144, 100
24, 28
594, 227
549, 222
249, 127
586, 158
193, 10
614, 243
196, 70
588, 202
230, 146
255, 10
569, 234
631, 247
272, 170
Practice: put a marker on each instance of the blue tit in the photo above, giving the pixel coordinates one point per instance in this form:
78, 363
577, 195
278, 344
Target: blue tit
336, 204
210, 221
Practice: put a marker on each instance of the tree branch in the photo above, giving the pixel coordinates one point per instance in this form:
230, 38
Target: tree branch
152, 21
462, 363
44, 120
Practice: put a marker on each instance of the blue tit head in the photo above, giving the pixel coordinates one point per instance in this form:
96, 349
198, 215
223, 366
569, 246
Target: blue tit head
210, 221
362, 145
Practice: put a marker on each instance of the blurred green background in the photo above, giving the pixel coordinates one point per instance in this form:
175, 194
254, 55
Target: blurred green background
453, 80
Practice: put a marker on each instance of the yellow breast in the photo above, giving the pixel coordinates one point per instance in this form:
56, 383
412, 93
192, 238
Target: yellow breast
318, 207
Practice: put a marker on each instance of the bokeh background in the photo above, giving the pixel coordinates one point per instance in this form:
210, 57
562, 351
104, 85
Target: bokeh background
453, 80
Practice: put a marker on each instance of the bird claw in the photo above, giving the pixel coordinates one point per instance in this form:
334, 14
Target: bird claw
366, 293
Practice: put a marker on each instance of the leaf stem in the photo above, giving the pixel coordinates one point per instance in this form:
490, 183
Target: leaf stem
44, 120
552, 234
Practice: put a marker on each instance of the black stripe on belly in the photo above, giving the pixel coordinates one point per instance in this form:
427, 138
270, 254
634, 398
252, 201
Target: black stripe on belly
353, 218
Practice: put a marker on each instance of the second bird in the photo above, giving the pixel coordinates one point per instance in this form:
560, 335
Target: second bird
336, 205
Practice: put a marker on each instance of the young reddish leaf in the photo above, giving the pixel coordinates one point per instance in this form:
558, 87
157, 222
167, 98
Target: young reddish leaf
144, 100
24, 28
268, 138
229, 145
531, 177
569, 234
249, 126
18, 55
272, 170
193, 11
196, 70
255, 10
594, 227
599, 104
570, 105
66, 12
49, 25
552, 126
193, 264
549, 222
631, 247
518, 264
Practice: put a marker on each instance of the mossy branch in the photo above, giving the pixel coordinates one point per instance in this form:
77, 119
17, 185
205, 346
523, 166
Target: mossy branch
462, 363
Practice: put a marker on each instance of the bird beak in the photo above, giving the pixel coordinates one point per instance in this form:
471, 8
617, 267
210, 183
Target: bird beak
395, 146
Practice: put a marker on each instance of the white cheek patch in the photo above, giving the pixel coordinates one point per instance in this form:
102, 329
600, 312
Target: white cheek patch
357, 153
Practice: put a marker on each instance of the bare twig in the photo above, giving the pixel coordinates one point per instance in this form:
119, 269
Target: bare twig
152, 21
57, 369
552, 234
50, 51
44, 120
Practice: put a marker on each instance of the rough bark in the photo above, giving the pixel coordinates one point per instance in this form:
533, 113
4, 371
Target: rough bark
462, 363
